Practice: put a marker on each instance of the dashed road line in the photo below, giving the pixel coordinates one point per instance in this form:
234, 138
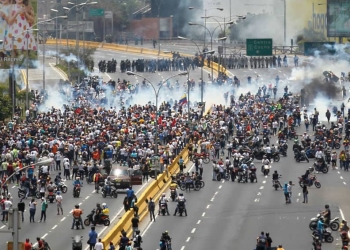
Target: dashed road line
262, 187
183, 247
193, 230
208, 206
344, 182
188, 239
63, 218
220, 187
54, 227
198, 222
203, 214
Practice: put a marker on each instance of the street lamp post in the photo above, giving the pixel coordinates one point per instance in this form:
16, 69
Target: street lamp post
201, 53
156, 92
56, 11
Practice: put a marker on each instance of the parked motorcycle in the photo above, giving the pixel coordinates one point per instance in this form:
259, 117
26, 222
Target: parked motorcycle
333, 225
312, 181
104, 220
62, 187
321, 167
300, 156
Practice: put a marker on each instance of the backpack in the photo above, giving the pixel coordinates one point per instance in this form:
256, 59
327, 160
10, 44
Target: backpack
151, 205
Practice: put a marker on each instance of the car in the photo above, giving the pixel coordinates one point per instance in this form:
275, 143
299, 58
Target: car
123, 178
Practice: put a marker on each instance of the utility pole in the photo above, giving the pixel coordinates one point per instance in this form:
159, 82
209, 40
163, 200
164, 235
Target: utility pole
14, 225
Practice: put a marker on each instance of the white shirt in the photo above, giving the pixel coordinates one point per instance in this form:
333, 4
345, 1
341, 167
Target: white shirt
7, 205
59, 199
99, 246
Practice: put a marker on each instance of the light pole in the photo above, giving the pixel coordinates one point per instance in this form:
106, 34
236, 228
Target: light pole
201, 53
223, 30
205, 20
56, 11
78, 7
156, 92
285, 21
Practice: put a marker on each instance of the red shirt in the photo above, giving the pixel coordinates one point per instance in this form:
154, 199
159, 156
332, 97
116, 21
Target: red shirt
27, 246
40, 244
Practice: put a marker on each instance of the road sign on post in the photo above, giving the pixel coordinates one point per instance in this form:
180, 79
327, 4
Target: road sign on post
96, 12
108, 14
259, 47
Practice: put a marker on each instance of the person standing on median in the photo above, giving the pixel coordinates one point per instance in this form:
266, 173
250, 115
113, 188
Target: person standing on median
130, 194
135, 225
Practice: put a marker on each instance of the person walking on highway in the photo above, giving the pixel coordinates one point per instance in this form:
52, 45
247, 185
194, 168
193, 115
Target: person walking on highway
32, 210
92, 238
151, 208
43, 209
305, 193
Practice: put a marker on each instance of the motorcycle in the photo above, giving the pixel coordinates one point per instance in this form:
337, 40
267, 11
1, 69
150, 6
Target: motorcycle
300, 156
163, 209
312, 181
277, 184
334, 224
51, 196
77, 223
323, 168
173, 194
77, 243
252, 175
76, 191
104, 220
62, 187
22, 193
242, 175
113, 192
259, 155
265, 170
181, 207
327, 235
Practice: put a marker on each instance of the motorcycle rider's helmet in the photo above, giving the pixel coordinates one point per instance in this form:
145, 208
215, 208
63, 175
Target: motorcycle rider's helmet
264, 157
311, 169
326, 206
276, 172
76, 206
163, 195
166, 232
252, 165
181, 194
98, 205
77, 178
104, 205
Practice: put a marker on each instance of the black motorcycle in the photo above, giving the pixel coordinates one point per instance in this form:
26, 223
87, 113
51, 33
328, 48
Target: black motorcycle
104, 219
252, 175
181, 208
32, 192
173, 194
277, 183
300, 155
112, 192
77, 243
321, 166
327, 235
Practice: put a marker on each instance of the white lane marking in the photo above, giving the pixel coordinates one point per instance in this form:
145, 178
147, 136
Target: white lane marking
198, 222
341, 177
265, 176
63, 218
262, 187
212, 199
203, 214
223, 181
216, 193
193, 230
80, 203
44, 235
257, 200
259, 193
2, 227
299, 194
344, 182
87, 197
220, 187
208, 206
188, 239
183, 247
338, 172
13, 186
54, 227
297, 200
264, 182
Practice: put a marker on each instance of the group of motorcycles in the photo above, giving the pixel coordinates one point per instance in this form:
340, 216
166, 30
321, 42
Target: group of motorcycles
333, 225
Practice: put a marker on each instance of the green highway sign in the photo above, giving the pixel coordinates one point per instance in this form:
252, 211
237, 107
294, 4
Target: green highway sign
96, 12
259, 47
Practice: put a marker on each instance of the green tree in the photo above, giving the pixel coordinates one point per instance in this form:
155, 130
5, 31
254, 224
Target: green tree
70, 55
5, 102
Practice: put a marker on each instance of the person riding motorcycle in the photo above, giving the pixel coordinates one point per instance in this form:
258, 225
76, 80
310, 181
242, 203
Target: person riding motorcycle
77, 212
163, 201
317, 244
105, 208
98, 214
264, 161
164, 239
275, 177
181, 200
58, 179
326, 214
51, 187
108, 185
173, 186
76, 182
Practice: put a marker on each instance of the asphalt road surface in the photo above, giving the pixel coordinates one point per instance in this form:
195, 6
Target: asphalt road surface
57, 228
230, 215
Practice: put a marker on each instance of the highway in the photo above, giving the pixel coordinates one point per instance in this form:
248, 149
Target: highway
230, 215
56, 230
